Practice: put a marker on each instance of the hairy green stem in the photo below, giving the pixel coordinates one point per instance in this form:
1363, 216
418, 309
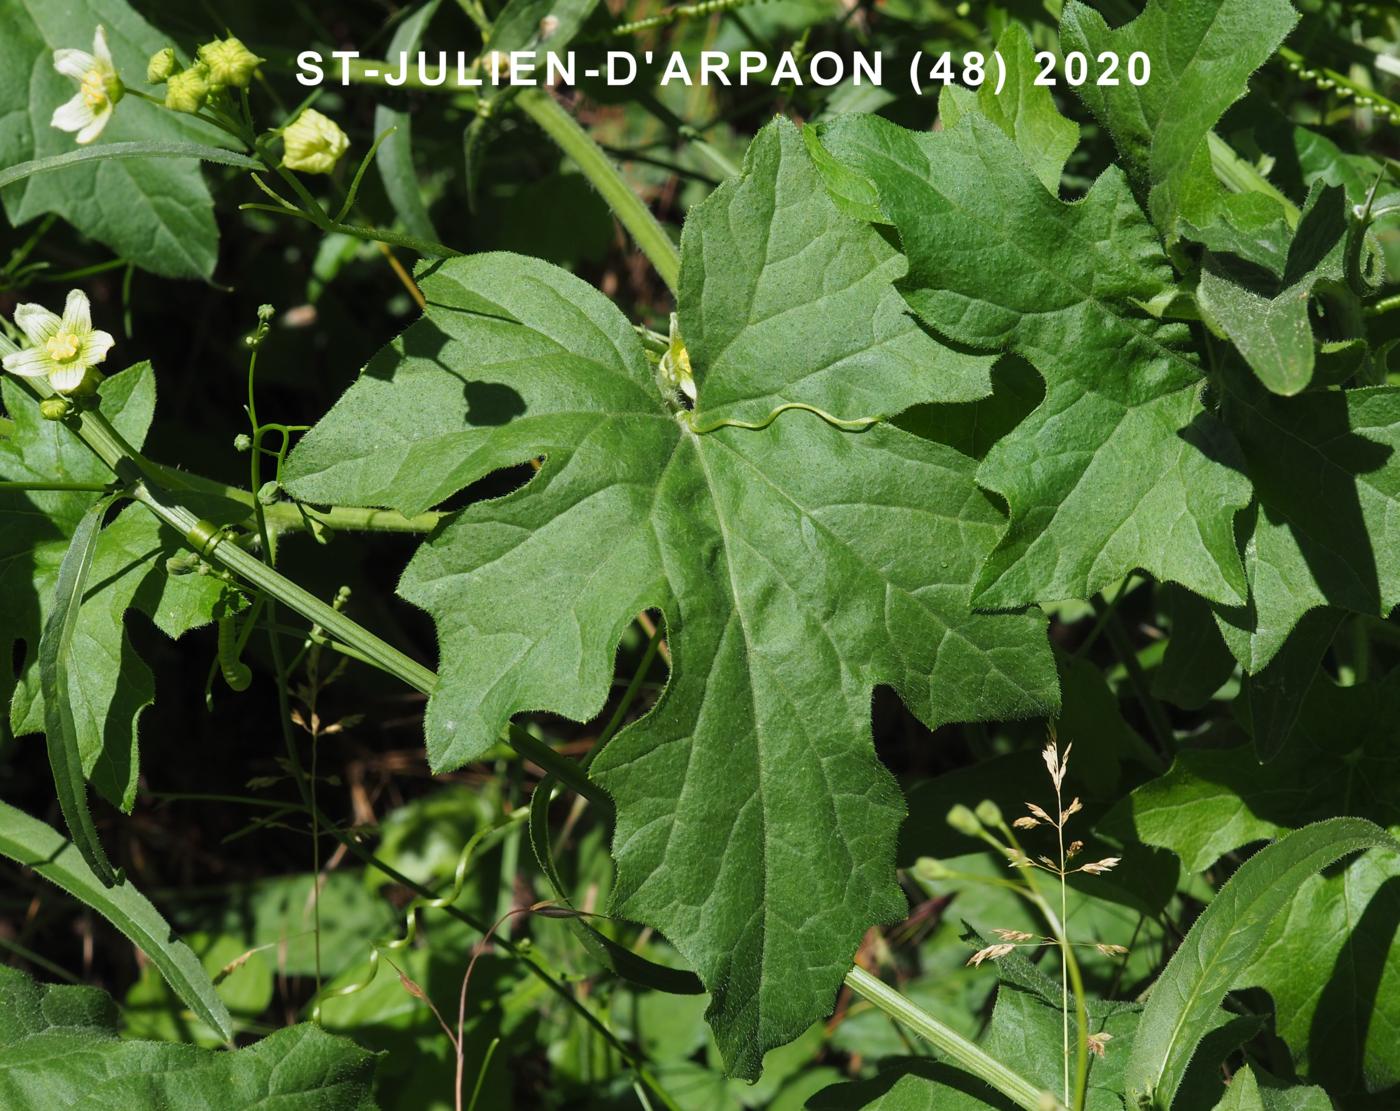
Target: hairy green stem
966, 1054
565, 770
635, 216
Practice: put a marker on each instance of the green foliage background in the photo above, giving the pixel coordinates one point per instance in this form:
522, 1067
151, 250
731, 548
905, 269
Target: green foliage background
1069, 407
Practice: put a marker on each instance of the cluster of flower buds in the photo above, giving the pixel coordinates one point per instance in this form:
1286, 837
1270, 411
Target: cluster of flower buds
312, 143
220, 64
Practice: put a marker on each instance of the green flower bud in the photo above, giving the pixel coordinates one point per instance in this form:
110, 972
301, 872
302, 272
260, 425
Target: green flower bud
188, 90
242, 442
55, 408
313, 143
230, 63
989, 813
186, 563
928, 869
964, 821
269, 494
161, 67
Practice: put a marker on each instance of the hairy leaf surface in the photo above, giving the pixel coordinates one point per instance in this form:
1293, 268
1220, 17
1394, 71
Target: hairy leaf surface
1246, 1093
1024, 110
798, 566
1120, 467
59, 1049
1202, 54
1266, 314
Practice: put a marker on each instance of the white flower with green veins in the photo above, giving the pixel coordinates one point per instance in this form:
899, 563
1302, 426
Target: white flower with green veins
99, 88
63, 349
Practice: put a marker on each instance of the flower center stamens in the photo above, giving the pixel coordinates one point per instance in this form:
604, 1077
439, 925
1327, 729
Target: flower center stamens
94, 87
62, 348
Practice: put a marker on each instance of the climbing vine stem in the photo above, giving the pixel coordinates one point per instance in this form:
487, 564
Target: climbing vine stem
853, 424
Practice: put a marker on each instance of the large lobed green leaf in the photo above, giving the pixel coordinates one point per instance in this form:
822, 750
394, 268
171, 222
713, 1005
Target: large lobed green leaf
156, 212
108, 684
798, 566
1202, 54
59, 1049
1120, 466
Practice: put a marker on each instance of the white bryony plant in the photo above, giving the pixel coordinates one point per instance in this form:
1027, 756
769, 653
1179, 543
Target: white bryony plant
99, 88
63, 348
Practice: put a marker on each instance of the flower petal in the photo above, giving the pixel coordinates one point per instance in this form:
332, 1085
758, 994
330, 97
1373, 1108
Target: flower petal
68, 376
72, 63
95, 347
77, 313
37, 323
32, 362
99, 45
94, 129
72, 115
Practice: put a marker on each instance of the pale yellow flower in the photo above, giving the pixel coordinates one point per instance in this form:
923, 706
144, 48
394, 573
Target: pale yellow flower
313, 143
63, 349
99, 89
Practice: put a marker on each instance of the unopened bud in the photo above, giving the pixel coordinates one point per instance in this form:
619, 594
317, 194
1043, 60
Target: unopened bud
313, 143
989, 813
928, 869
185, 563
242, 442
161, 67
55, 408
188, 90
231, 64
964, 821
